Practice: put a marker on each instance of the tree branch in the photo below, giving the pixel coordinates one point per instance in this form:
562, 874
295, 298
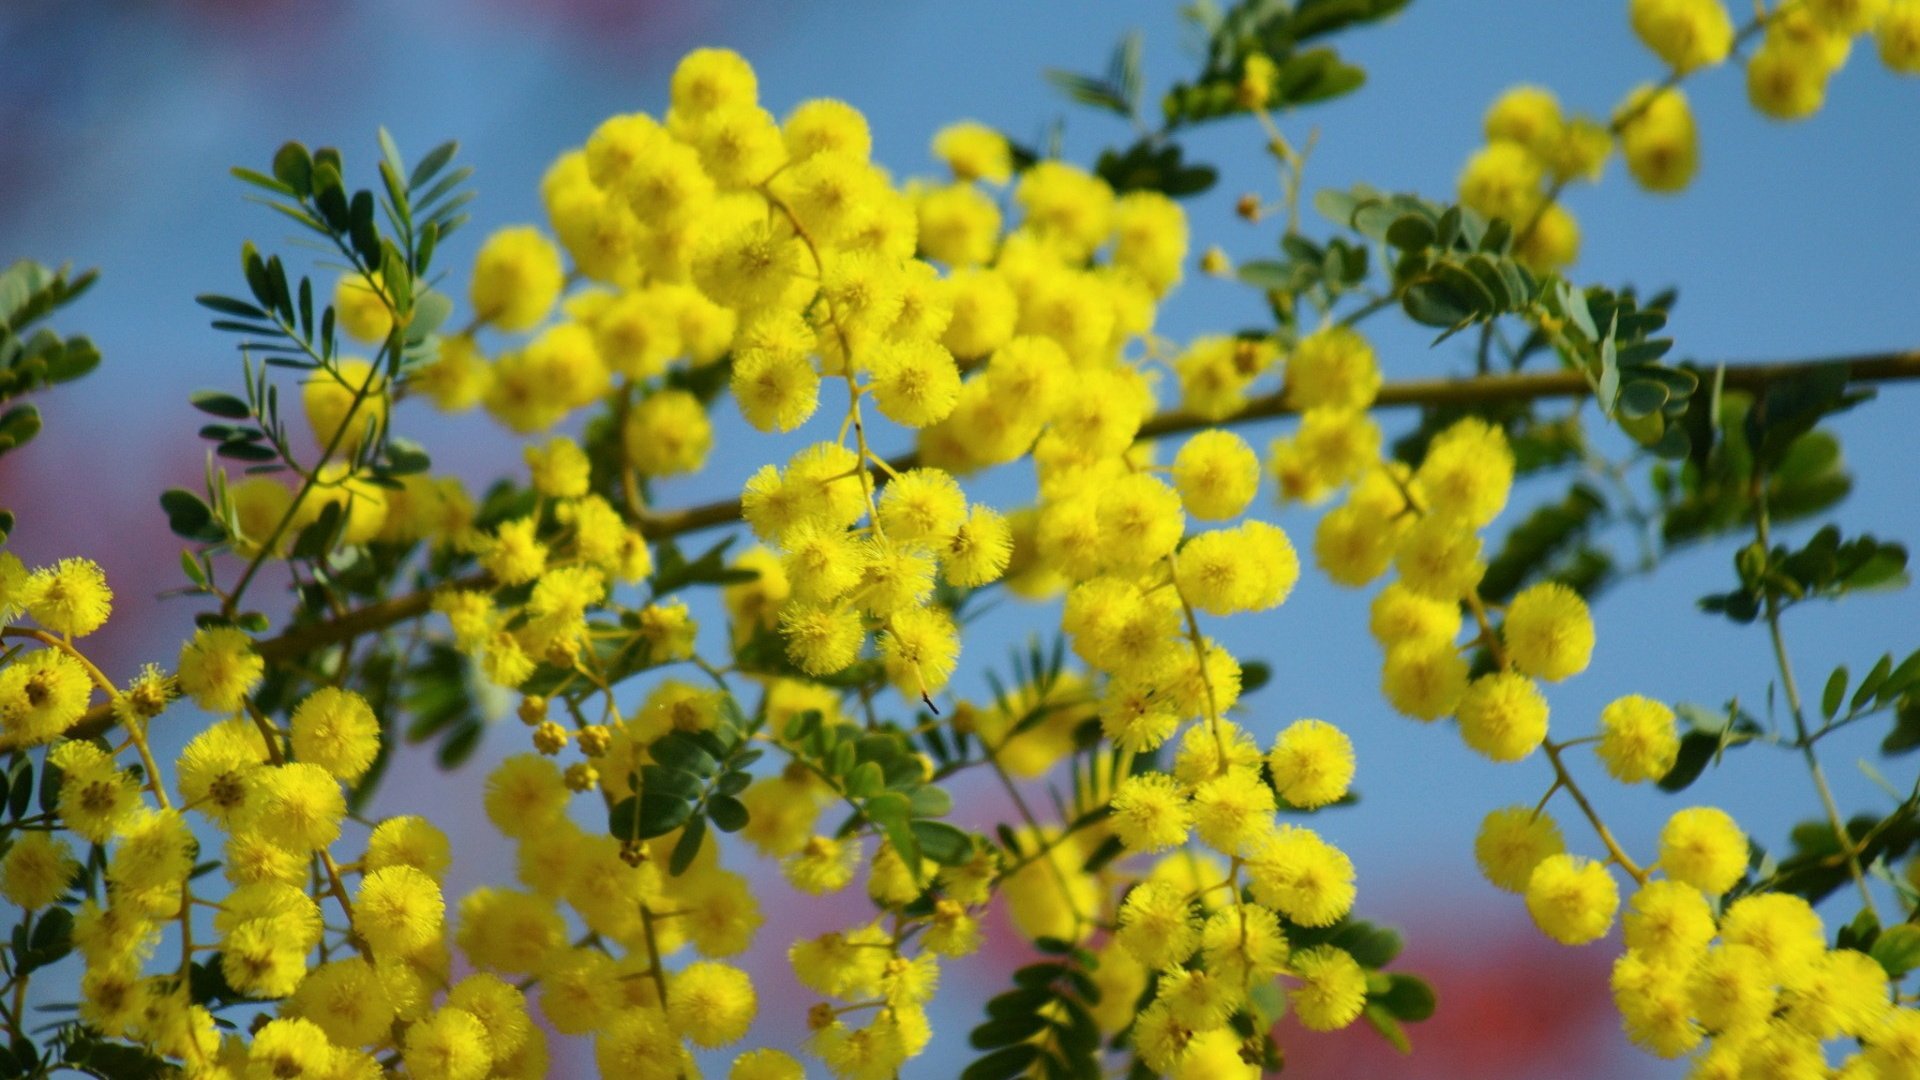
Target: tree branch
1525, 386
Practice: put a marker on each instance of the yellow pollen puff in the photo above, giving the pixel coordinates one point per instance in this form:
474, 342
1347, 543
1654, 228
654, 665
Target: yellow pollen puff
1332, 991
457, 378
1467, 472
1157, 925
1503, 716
1302, 876
1686, 34
1439, 558
1217, 474
1658, 137
560, 469
218, 668
1511, 842
1502, 180
1526, 115
351, 395
336, 730
1787, 81
1638, 739
361, 304
1333, 366
516, 279
1548, 632
1398, 615
1150, 813
974, 151
915, 382
1572, 900
1066, 208
709, 79
825, 125
1668, 921
959, 225
1705, 848
1898, 37
1424, 679
1311, 763
668, 433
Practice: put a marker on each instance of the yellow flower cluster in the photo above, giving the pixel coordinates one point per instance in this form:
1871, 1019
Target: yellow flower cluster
717, 247
1532, 151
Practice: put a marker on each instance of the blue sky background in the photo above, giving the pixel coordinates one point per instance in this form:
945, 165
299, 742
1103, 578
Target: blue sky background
1796, 241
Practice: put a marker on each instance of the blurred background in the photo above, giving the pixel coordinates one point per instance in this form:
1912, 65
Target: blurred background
121, 117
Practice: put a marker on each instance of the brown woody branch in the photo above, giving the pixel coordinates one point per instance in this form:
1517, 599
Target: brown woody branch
1523, 386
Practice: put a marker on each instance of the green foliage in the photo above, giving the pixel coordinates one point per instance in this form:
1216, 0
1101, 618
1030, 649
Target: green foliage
1118, 91
693, 782
33, 359
1826, 567
1709, 735
1816, 866
1283, 34
1019, 1032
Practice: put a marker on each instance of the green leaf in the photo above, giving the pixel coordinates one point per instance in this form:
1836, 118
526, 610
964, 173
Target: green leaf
293, 166
1407, 997
1014, 1029
1835, 691
1003, 1064
227, 305
1905, 735
865, 780
678, 750
1370, 945
1384, 1022
189, 518
1642, 397
261, 180
1411, 232
889, 810
431, 164
21, 793
18, 425
1430, 303
1696, 750
942, 842
668, 781
20, 787
1088, 90
728, 813
1898, 950
687, 848
216, 403
652, 814
928, 801
1315, 75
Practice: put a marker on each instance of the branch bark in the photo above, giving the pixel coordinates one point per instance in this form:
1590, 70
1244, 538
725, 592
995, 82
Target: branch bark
1523, 386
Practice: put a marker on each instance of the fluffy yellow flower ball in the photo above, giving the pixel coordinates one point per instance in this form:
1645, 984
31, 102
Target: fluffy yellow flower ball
516, 278
1687, 34
1217, 474
1511, 842
1548, 632
1659, 139
1638, 741
1571, 899
1332, 990
1311, 763
1503, 716
70, 597
1705, 848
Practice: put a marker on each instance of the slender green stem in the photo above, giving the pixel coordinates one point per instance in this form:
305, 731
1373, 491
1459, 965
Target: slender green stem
1791, 688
